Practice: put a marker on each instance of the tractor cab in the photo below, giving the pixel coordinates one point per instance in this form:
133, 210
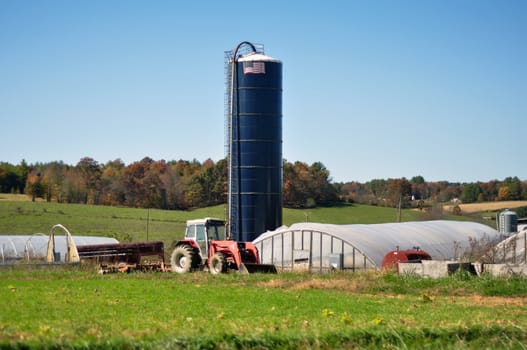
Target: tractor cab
204, 230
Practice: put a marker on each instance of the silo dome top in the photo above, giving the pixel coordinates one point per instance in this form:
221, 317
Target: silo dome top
257, 57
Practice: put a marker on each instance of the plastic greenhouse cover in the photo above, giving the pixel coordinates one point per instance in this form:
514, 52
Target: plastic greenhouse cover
36, 245
514, 248
443, 240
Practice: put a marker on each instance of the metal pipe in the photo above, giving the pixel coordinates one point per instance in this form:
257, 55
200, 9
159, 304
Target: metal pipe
292, 250
282, 250
320, 252
310, 250
272, 249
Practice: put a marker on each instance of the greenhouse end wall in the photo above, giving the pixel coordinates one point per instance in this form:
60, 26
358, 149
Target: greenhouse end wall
307, 250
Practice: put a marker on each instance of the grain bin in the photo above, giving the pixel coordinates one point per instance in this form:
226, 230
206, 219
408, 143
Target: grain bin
254, 142
507, 222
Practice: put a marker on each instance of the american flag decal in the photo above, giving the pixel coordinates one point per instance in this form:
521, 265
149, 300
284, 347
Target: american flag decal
253, 67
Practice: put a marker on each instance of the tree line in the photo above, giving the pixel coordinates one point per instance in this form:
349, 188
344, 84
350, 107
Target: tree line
418, 192
154, 184
186, 184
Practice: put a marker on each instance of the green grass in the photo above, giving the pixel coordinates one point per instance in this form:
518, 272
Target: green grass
349, 214
19, 216
75, 308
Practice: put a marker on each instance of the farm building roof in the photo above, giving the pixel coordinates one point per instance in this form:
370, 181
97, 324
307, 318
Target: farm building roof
316, 245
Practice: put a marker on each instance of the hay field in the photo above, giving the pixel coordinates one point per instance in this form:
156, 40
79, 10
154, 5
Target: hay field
487, 206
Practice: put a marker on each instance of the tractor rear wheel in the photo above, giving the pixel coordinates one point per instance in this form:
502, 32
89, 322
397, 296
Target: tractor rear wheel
217, 264
182, 259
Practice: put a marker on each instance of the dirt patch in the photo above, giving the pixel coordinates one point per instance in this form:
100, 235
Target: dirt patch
457, 296
335, 284
345, 285
9, 197
490, 301
499, 301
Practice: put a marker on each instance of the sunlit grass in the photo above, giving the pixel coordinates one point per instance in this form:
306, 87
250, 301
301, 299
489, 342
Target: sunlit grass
125, 224
76, 307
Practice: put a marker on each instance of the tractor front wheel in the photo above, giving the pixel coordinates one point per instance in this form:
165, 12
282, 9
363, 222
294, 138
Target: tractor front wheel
181, 259
217, 264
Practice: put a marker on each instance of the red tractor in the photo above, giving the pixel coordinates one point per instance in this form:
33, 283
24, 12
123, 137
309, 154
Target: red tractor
207, 246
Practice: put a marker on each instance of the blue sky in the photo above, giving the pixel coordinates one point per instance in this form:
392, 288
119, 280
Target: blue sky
372, 89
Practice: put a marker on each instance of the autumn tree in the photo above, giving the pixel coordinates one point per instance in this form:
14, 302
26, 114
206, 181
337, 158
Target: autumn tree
470, 193
11, 179
511, 189
306, 186
323, 191
399, 192
52, 181
34, 186
352, 191
419, 187
504, 193
489, 190
295, 192
112, 189
209, 186
378, 188
142, 183
447, 191
89, 172
174, 184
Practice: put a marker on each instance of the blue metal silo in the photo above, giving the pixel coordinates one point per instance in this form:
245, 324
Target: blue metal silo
254, 146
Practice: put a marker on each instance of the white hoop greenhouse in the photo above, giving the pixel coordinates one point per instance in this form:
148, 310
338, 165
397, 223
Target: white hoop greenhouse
323, 247
27, 248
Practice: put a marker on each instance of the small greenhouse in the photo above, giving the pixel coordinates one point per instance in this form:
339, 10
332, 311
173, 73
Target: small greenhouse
30, 248
323, 247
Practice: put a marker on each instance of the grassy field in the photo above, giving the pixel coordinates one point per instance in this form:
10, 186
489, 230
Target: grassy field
18, 215
75, 308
